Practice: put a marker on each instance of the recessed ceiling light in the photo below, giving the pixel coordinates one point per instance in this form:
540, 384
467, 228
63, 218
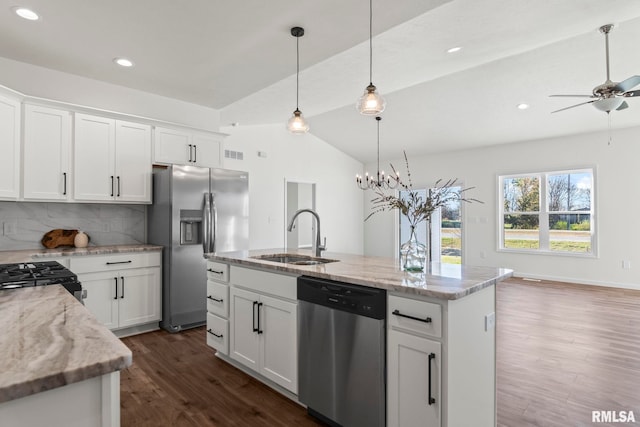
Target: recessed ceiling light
25, 13
454, 49
522, 106
123, 62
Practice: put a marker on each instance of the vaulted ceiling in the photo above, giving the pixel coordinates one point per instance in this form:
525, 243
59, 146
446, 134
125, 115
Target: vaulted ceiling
239, 57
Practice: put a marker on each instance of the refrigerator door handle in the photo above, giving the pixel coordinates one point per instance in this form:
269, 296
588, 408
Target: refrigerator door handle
214, 223
206, 224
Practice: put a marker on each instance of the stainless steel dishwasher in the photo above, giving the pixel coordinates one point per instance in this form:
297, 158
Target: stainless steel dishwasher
341, 360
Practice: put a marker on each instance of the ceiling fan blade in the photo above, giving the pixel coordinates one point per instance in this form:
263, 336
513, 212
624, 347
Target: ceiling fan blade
627, 84
632, 93
573, 106
622, 106
573, 96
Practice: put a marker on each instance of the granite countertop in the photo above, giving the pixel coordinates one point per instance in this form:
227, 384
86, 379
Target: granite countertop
7, 257
444, 281
49, 340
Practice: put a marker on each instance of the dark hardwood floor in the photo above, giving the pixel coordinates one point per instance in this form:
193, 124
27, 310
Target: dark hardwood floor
562, 351
176, 380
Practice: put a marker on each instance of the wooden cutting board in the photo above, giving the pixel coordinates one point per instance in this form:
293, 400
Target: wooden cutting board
58, 237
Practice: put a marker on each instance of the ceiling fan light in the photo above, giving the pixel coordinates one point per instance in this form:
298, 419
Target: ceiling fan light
371, 103
608, 104
297, 124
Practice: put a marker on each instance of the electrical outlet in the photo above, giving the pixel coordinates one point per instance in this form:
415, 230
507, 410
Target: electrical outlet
483, 254
490, 321
626, 264
9, 228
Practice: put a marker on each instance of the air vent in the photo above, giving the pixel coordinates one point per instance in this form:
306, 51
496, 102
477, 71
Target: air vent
236, 155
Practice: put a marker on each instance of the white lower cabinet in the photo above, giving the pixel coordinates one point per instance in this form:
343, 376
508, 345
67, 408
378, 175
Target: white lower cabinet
123, 290
262, 321
441, 361
263, 336
218, 306
414, 377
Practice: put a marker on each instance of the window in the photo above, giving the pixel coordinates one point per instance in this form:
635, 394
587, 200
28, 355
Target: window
548, 212
443, 232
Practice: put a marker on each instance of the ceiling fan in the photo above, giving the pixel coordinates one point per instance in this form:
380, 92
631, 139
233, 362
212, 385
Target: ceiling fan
609, 95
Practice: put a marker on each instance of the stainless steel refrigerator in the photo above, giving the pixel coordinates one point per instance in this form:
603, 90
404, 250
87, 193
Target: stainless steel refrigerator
195, 211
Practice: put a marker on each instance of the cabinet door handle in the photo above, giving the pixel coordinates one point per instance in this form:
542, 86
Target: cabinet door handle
111, 185
425, 320
190, 146
118, 187
259, 330
64, 188
214, 334
432, 400
195, 153
119, 262
116, 280
216, 271
253, 322
215, 299
122, 280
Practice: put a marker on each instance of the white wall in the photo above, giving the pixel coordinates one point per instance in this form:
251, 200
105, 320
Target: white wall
42, 82
302, 158
617, 204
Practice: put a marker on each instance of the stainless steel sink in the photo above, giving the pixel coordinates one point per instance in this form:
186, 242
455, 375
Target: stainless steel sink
294, 259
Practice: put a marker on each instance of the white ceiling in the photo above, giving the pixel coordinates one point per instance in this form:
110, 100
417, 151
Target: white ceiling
239, 57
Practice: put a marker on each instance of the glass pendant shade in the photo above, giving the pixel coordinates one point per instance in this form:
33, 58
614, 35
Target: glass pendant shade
371, 103
297, 123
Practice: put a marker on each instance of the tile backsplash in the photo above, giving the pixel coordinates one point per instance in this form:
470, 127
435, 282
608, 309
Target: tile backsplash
22, 224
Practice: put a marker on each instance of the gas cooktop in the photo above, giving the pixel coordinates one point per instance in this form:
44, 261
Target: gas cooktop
21, 275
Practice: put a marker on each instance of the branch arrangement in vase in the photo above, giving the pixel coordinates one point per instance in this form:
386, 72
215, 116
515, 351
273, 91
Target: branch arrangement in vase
413, 205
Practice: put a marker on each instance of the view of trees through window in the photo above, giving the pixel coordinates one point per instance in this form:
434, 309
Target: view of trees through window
548, 211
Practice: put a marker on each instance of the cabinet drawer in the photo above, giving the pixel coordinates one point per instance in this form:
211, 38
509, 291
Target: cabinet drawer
218, 271
94, 263
218, 299
218, 333
414, 315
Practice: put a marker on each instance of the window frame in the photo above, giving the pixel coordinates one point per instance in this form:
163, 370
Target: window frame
544, 212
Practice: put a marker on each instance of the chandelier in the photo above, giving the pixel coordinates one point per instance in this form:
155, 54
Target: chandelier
380, 180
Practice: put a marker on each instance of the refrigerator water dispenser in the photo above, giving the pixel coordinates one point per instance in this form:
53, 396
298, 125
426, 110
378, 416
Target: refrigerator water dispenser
190, 227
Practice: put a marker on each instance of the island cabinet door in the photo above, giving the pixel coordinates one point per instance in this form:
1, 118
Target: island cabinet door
414, 378
245, 340
278, 330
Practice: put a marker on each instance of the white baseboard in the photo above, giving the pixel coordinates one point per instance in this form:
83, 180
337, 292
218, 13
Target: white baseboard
522, 275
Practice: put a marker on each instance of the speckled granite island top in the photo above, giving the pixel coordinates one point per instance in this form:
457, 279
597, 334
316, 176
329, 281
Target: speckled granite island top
49, 340
445, 281
24, 255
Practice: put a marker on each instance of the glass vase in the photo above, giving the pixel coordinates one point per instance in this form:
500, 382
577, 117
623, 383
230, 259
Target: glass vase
413, 254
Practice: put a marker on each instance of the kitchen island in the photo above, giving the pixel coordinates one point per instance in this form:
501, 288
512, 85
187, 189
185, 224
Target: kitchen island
440, 329
60, 366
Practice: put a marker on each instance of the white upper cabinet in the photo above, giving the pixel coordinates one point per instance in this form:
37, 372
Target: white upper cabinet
112, 160
10, 148
47, 153
172, 146
133, 162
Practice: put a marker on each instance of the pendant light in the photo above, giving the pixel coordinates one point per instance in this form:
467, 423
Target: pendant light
371, 103
380, 181
297, 124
